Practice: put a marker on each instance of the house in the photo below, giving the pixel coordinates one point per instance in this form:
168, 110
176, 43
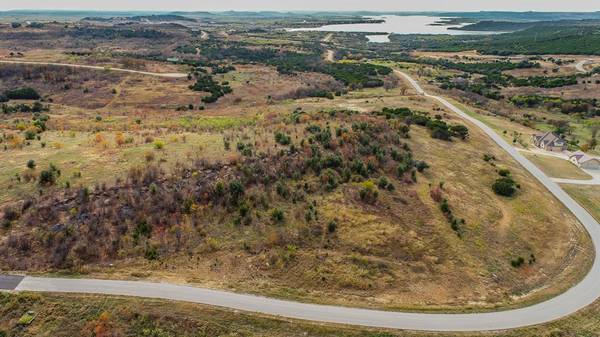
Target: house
584, 161
550, 141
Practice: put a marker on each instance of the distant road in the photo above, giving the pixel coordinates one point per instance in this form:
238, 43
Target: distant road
574, 299
327, 37
169, 75
580, 65
329, 55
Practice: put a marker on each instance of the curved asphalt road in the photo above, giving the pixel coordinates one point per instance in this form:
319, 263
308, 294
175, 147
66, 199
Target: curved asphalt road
567, 303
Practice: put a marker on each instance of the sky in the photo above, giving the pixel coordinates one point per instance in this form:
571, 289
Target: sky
281, 5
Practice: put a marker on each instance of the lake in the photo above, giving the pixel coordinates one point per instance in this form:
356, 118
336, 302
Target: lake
397, 24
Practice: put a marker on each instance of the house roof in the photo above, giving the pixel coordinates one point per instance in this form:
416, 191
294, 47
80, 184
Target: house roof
549, 138
581, 157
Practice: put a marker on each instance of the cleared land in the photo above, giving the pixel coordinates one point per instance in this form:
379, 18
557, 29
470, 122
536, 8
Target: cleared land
588, 196
316, 218
556, 167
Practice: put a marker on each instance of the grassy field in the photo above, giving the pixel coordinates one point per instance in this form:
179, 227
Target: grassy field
430, 257
402, 251
86, 159
556, 167
587, 196
426, 266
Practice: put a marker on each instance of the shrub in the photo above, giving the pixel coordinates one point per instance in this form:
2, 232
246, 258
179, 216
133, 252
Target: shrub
282, 138
518, 262
236, 190
158, 144
445, 207
505, 186
459, 131
142, 229
30, 133
421, 166
504, 172
48, 177
330, 178
282, 190
368, 192
22, 93
31, 164
332, 226
277, 215
382, 182
151, 253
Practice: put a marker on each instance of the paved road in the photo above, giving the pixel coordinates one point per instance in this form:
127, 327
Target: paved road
595, 181
9, 282
169, 75
567, 303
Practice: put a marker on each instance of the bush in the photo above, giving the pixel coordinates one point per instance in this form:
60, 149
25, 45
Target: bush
382, 182
516, 263
22, 93
282, 138
48, 177
151, 253
332, 226
142, 229
368, 192
421, 166
30, 134
330, 178
277, 215
31, 164
445, 207
505, 186
158, 144
459, 131
504, 172
236, 190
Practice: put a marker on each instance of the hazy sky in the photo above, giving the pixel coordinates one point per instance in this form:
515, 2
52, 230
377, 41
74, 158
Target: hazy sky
381, 5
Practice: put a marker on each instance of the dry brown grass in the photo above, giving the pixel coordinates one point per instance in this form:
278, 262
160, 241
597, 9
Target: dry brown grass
556, 167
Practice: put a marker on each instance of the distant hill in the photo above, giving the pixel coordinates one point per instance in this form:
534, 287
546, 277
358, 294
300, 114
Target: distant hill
524, 16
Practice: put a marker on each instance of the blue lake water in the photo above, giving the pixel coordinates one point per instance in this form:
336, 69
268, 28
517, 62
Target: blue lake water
397, 24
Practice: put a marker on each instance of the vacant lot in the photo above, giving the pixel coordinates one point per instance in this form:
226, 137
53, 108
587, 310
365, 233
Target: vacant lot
274, 191
556, 167
587, 196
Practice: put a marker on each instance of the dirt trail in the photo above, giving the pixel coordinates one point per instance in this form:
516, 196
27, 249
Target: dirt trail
169, 75
330, 55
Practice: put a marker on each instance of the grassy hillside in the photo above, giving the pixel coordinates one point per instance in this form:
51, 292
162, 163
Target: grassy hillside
542, 38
